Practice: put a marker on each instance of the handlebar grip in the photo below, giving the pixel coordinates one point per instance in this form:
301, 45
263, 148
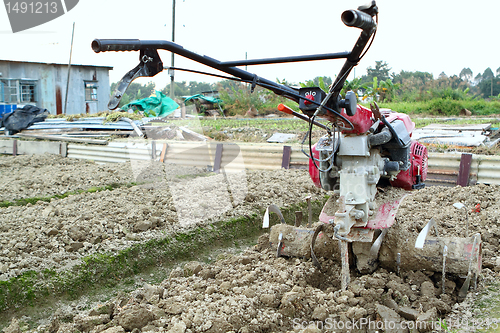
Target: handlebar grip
104, 45
358, 19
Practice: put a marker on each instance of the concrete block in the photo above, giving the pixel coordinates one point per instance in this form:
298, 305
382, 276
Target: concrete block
38, 147
6, 147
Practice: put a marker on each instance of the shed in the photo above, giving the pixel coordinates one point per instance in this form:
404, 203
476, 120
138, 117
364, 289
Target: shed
44, 85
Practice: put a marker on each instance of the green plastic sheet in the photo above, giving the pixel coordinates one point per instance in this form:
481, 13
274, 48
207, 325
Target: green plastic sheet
200, 96
154, 106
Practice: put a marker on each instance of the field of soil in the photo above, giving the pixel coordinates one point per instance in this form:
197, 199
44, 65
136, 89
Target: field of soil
111, 208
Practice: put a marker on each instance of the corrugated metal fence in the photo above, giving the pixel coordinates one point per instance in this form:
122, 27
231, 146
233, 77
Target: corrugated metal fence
234, 156
443, 167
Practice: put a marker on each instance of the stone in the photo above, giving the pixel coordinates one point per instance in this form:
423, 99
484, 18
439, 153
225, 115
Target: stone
408, 313
206, 326
176, 273
192, 268
179, 327
52, 232
319, 313
429, 316
219, 325
389, 302
13, 327
74, 246
289, 297
388, 315
206, 273
76, 233
210, 290
107, 308
86, 323
47, 211
268, 299
114, 329
134, 317
224, 286
142, 226
249, 293
150, 291
427, 289
244, 260
171, 307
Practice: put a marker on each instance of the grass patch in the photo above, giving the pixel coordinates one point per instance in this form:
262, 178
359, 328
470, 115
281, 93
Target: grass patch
419, 122
445, 107
34, 200
488, 302
108, 269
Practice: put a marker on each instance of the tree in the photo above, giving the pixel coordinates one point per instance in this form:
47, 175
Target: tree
422, 77
180, 89
387, 90
381, 71
489, 85
354, 85
466, 74
442, 76
199, 87
326, 80
137, 90
488, 74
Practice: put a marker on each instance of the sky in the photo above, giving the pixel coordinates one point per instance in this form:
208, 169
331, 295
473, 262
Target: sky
430, 36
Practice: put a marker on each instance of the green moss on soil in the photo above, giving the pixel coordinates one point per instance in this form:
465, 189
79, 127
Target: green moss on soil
34, 200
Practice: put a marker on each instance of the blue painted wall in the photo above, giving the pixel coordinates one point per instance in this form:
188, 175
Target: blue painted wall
52, 81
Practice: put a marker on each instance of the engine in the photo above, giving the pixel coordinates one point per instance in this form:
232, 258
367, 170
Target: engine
352, 163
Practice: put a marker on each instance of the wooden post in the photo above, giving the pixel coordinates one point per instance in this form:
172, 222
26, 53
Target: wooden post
183, 111
63, 149
14, 148
298, 218
218, 157
163, 153
464, 171
153, 150
285, 161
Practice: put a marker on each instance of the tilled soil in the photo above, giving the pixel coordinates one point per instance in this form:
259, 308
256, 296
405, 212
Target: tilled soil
254, 291
29, 176
171, 199
257, 292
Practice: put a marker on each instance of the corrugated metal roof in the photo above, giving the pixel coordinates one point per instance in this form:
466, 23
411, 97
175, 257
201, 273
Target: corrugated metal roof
95, 123
53, 63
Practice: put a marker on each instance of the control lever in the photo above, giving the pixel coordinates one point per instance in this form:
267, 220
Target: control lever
150, 64
369, 8
350, 103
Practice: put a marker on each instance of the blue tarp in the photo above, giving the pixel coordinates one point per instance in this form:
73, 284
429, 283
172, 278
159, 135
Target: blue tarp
154, 106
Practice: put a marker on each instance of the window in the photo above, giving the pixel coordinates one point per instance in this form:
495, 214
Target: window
18, 91
90, 91
27, 91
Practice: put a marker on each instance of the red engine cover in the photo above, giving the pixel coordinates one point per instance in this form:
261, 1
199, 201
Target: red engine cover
362, 120
313, 171
418, 158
